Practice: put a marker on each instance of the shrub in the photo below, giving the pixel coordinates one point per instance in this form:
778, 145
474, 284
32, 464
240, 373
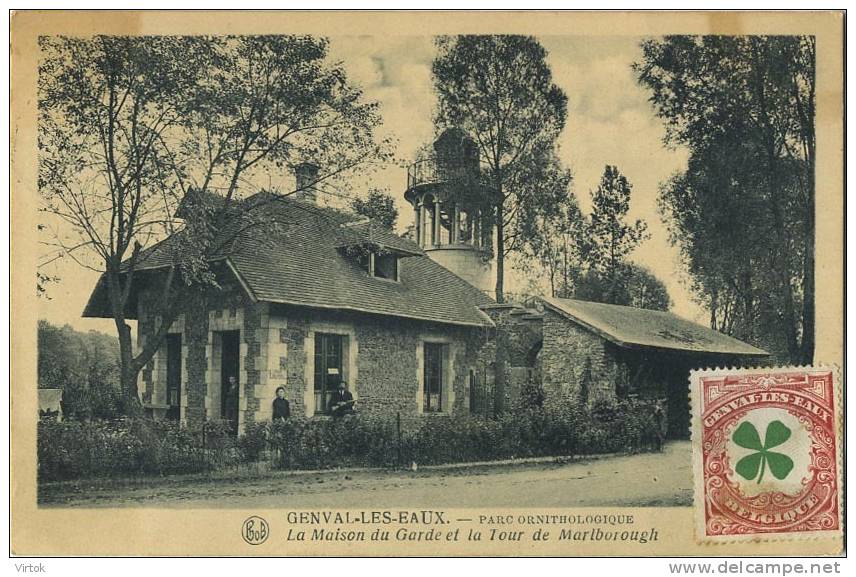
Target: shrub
623, 425
253, 442
71, 449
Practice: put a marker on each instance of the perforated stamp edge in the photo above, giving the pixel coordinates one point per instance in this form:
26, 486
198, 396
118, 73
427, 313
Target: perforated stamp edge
695, 394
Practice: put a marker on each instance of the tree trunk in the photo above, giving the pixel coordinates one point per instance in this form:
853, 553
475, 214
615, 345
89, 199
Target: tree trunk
808, 312
131, 365
782, 272
499, 360
713, 323
133, 406
500, 256
128, 370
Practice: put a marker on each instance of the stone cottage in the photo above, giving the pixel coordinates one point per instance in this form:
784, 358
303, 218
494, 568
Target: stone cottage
327, 297
584, 351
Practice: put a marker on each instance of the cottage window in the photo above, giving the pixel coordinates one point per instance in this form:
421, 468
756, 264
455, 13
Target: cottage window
363, 260
432, 391
328, 369
386, 266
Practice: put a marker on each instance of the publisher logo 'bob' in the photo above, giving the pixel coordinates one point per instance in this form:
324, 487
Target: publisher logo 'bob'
255, 530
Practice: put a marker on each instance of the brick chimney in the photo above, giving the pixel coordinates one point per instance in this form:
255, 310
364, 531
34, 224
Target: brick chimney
306, 175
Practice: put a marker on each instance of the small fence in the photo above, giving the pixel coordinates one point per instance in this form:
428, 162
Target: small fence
132, 448
481, 394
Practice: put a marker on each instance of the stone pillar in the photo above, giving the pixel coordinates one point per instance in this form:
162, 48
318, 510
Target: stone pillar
272, 362
196, 360
423, 220
417, 217
436, 222
456, 224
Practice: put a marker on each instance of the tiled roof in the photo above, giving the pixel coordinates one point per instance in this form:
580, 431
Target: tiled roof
301, 262
368, 232
634, 327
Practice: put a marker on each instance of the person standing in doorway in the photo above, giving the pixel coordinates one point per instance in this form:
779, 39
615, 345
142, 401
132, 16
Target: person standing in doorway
281, 414
231, 404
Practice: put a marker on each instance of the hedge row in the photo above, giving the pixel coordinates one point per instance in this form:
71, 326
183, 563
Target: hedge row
71, 450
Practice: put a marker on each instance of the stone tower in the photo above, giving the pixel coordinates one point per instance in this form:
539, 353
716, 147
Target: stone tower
452, 212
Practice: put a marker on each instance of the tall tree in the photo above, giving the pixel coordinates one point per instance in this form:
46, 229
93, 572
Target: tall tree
612, 237
129, 127
500, 90
554, 235
634, 286
378, 206
645, 290
85, 366
744, 107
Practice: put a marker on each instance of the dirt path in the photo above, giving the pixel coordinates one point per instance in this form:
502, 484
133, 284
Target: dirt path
662, 479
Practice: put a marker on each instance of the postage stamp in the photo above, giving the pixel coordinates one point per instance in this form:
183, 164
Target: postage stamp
766, 453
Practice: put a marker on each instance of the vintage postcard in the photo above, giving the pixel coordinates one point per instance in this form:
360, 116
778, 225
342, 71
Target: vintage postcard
435, 284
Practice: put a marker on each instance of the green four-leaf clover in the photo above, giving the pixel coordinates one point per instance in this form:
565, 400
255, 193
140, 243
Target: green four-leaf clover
746, 436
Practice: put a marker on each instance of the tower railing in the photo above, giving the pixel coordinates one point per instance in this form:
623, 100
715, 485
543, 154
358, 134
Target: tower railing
431, 170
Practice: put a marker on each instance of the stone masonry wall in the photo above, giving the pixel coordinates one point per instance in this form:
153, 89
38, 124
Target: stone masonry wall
381, 361
226, 308
383, 358
567, 349
519, 332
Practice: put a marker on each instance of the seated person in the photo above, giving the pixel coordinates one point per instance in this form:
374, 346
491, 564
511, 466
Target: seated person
342, 401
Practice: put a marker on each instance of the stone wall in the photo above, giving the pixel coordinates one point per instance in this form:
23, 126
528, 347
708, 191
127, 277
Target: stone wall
570, 354
206, 314
519, 333
382, 358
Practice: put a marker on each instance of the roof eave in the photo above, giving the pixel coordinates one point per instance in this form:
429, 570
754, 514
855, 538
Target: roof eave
633, 345
398, 250
487, 324
96, 308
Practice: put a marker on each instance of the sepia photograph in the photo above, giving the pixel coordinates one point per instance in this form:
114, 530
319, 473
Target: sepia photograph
299, 272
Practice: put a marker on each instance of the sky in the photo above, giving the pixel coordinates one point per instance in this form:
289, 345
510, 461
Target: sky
610, 121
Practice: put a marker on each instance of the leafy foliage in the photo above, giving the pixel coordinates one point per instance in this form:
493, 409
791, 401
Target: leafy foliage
743, 212
500, 90
378, 206
71, 450
76, 449
612, 239
633, 285
85, 366
137, 131
553, 235
586, 257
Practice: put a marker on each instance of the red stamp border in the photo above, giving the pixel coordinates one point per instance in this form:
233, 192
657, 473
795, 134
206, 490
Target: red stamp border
720, 398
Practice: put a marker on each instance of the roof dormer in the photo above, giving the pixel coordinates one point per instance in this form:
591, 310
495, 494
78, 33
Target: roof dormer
377, 261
